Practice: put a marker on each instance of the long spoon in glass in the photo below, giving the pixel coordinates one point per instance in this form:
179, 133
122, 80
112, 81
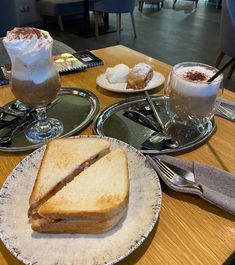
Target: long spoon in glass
163, 135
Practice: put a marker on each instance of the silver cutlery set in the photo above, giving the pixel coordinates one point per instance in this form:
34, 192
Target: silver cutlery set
227, 110
176, 175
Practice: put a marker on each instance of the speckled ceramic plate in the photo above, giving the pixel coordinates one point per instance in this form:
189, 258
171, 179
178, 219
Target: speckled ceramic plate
107, 248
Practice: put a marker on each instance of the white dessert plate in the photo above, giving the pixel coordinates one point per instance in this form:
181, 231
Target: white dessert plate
106, 248
157, 80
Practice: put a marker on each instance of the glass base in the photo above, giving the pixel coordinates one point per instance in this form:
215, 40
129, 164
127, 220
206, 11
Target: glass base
42, 134
183, 131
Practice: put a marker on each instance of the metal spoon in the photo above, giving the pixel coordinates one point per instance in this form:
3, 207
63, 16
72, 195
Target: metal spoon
11, 112
140, 118
163, 135
16, 111
7, 138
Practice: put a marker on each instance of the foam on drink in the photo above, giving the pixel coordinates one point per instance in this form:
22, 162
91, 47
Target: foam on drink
191, 81
191, 96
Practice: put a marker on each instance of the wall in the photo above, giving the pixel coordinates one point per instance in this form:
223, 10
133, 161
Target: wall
26, 13
7, 16
15, 13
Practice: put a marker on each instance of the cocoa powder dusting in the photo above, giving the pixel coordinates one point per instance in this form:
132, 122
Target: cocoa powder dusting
28, 32
195, 76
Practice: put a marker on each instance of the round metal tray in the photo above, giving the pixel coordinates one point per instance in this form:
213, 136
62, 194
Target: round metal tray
75, 109
113, 122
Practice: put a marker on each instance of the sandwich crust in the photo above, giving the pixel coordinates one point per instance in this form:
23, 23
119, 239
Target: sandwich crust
77, 226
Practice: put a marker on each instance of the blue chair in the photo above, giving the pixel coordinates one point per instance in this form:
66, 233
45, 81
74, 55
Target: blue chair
59, 8
117, 7
227, 33
158, 2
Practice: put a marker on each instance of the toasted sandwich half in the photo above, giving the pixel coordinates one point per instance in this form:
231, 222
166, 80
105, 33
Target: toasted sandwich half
63, 160
93, 202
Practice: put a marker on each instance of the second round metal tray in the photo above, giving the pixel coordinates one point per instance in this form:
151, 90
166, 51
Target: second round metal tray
113, 122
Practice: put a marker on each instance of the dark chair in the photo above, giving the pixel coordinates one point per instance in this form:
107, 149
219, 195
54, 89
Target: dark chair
196, 2
158, 2
59, 8
227, 33
117, 7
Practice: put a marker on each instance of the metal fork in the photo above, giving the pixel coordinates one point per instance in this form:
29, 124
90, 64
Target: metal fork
175, 178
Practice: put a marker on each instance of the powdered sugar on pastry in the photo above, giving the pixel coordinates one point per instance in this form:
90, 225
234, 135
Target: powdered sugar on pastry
139, 76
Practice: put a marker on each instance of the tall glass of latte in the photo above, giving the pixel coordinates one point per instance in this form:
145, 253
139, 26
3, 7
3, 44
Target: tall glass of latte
190, 100
34, 78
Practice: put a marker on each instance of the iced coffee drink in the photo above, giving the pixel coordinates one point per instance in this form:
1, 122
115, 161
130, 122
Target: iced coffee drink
190, 96
34, 79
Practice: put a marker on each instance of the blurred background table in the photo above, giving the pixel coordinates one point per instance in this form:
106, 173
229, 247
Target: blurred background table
189, 230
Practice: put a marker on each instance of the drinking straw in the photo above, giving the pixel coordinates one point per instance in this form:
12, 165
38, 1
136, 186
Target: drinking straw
221, 70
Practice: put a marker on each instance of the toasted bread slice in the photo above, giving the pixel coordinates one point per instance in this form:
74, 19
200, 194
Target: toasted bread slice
99, 193
64, 159
76, 226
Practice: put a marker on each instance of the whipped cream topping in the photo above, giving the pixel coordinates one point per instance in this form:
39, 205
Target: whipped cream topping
28, 48
117, 74
192, 81
30, 44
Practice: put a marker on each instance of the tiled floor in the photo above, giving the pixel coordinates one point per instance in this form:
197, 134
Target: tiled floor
173, 36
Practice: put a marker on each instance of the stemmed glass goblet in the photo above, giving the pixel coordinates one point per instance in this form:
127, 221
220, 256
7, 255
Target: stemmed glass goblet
34, 79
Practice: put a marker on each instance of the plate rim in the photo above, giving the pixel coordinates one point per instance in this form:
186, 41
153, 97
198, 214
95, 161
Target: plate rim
131, 90
136, 244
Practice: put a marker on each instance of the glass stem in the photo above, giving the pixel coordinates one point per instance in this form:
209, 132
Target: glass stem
42, 119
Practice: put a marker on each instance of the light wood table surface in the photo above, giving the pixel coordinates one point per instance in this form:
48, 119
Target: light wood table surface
189, 229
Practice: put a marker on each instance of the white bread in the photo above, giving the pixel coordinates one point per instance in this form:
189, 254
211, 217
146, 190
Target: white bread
77, 226
100, 192
64, 159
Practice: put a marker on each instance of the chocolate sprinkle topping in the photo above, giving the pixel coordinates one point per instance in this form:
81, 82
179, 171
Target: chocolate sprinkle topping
28, 32
195, 76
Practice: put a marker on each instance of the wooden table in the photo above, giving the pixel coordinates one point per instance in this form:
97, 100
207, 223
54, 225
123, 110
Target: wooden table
189, 230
